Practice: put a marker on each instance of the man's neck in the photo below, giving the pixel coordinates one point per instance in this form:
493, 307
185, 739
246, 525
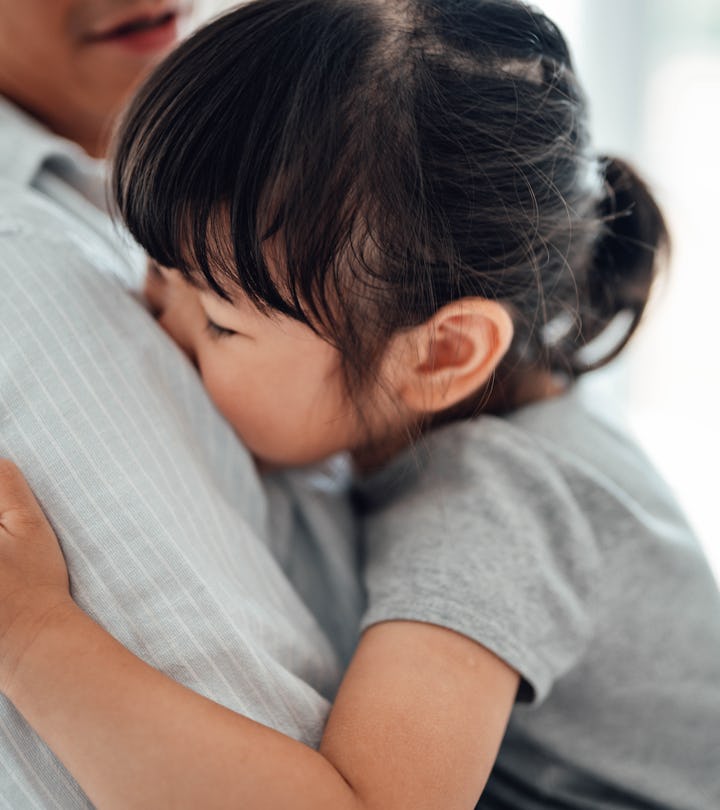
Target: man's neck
93, 136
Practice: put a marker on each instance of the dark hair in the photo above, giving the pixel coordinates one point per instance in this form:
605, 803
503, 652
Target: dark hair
390, 157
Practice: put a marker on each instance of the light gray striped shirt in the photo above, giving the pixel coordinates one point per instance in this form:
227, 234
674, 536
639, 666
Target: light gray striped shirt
162, 518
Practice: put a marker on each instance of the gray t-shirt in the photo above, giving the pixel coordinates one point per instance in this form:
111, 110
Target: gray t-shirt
548, 538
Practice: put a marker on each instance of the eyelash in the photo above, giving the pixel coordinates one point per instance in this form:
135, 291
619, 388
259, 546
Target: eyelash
215, 331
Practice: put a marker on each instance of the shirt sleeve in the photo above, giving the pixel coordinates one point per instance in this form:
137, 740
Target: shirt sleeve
488, 540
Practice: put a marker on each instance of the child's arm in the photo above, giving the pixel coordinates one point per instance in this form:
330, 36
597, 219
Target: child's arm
417, 722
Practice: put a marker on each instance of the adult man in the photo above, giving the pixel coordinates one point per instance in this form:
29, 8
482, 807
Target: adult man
157, 505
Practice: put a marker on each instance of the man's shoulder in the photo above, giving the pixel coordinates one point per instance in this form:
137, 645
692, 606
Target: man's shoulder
32, 225
25, 212
37, 229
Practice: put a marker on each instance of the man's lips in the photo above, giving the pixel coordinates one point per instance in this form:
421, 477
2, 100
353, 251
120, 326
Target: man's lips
142, 32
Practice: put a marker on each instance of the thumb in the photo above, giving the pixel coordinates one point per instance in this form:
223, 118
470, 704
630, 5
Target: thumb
19, 508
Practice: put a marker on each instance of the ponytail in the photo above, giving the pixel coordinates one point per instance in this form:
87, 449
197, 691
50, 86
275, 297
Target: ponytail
625, 261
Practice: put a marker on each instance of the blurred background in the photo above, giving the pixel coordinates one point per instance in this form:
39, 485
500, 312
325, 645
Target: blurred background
651, 69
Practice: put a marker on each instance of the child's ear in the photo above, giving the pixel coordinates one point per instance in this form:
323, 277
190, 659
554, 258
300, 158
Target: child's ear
447, 358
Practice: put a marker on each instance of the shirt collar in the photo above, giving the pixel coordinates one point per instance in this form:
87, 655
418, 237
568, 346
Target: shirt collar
26, 145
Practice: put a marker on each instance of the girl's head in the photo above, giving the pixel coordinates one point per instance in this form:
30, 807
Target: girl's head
400, 192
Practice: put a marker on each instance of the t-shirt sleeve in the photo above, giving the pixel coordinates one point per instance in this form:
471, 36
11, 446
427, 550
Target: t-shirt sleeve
488, 540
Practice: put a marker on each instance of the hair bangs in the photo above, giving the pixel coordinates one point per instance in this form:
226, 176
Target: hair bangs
232, 164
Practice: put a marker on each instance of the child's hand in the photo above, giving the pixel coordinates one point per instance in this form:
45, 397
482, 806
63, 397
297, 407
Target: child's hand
34, 585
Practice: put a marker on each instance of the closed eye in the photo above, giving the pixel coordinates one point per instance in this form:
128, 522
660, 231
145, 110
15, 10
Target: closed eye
216, 331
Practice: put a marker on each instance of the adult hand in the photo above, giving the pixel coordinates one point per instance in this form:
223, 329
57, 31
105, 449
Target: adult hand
34, 586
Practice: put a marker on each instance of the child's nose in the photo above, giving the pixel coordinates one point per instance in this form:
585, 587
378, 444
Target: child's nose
174, 306
155, 290
178, 320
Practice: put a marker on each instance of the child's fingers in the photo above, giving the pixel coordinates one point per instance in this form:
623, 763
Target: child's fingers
19, 509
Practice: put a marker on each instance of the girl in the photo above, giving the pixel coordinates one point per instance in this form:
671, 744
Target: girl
391, 237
